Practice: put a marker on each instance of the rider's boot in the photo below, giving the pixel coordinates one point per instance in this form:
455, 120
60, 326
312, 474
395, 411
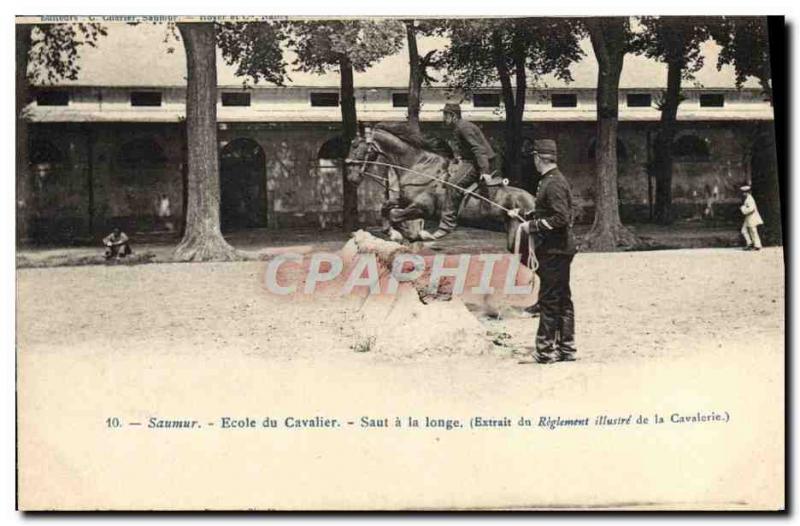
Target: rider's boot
427, 236
395, 215
395, 236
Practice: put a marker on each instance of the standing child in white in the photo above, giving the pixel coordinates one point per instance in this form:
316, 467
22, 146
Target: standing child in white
752, 220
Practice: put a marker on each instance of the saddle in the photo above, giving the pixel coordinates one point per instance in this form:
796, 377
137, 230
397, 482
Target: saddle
474, 188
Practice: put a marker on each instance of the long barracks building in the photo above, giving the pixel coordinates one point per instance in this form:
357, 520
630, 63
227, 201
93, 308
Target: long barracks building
106, 150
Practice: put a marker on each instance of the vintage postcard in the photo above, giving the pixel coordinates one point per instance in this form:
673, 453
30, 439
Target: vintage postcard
490, 263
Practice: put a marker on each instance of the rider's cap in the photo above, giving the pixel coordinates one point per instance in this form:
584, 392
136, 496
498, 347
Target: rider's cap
452, 107
545, 146
745, 188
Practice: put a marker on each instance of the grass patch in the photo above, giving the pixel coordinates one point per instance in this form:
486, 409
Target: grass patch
365, 345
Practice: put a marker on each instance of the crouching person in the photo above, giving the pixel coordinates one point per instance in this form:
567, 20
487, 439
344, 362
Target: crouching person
117, 245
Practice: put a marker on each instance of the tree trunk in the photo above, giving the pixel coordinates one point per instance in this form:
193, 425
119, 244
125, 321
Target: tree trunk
765, 182
90, 140
24, 197
515, 153
608, 41
414, 77
766, 87
184, 178
514, 102
666, 135
202, 239
349, 131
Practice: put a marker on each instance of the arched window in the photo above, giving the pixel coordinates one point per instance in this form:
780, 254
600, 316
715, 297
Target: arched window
141, 153
242, 150
335, 148
691, 148
330, 155
622, 152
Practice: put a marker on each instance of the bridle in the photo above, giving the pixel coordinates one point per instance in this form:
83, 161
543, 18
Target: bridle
373, 153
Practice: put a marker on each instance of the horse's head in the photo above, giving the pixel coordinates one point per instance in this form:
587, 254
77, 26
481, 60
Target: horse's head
362, 151
356, 155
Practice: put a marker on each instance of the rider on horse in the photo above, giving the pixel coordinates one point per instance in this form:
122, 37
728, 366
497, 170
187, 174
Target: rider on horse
475, 150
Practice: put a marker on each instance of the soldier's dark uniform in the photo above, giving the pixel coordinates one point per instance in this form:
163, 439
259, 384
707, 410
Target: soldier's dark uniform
551, 230
478, 155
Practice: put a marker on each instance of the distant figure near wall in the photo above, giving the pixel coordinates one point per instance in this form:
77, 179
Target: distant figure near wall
752, 220
711, 198
165, 212
117, 245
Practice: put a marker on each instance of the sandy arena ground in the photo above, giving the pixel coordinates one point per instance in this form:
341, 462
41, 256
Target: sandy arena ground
629, 306
682, 330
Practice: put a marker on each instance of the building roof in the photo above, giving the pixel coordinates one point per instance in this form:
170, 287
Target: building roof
293, 104
138, 56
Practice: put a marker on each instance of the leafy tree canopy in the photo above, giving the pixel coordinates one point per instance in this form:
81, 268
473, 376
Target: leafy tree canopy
320, 45
672, 39
255, 49
549, 45
745, 46
53, 53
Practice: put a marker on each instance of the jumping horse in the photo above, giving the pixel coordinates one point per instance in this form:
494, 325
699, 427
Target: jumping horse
422, 167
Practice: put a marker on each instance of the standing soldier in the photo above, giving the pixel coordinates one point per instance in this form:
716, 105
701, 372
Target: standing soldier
477, 158
550, 227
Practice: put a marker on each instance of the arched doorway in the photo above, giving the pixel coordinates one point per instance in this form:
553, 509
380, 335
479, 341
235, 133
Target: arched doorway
243, 185
45, 160
691, 148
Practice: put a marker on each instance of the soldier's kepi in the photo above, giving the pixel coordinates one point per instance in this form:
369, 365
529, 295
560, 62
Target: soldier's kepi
550, 228
477, 158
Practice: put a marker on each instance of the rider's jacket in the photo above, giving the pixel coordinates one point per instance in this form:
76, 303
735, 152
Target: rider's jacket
472, 145
551, 221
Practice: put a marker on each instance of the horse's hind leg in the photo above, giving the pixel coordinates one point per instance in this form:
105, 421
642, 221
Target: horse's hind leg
408, 221
386, 208
411, 229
